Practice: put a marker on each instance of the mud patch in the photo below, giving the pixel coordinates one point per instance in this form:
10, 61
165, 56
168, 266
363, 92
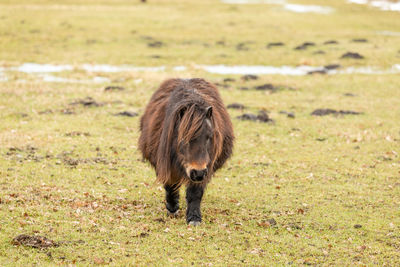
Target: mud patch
271, 88
267, 87
249, 77
156, 44
319, 52
332, 66
262, 116
236, 106
87, 102
322, 71
352, 55
21, 154
288, 114
228, 80
114, 88
331, 42
39, 242
304, 46
275, 44
328, 111
77, 133
359, 40
349, 94
242, 47
126, 114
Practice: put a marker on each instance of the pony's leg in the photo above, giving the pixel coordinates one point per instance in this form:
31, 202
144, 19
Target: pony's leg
172, 199
194, 194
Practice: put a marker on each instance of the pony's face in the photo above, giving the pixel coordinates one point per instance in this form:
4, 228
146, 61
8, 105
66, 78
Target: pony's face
196, 154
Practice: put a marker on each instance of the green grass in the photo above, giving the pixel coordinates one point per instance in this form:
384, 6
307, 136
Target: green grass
93, 193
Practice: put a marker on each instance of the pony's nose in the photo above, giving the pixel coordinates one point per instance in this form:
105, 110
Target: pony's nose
198, 175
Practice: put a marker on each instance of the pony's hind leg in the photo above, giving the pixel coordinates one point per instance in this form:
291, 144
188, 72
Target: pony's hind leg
194, 194
172, 199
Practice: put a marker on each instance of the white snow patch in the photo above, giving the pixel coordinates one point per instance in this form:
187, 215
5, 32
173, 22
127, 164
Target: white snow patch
42, 68
179, 68
389, 33
297, 8
308, 9
246, 69
381, 4
122, 68
293, 71
51, 78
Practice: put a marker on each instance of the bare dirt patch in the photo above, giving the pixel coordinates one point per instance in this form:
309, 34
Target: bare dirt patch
328, 111
262, 116
126, 114
353, 55
40, 242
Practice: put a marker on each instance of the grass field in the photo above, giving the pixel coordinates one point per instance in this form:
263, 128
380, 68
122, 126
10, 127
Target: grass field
308, 190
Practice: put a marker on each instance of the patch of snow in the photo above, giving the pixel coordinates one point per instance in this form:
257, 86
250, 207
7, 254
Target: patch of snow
389, 33
42, 68
51, 78
123, 68
381, 4
246, 69
179, 68
308, 9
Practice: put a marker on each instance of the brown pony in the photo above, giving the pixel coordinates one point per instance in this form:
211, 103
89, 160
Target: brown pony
187, 135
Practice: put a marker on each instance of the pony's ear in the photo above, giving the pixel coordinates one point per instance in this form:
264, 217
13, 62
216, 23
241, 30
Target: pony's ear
209, 111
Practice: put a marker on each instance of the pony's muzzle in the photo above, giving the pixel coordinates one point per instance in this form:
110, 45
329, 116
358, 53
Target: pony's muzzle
198, 175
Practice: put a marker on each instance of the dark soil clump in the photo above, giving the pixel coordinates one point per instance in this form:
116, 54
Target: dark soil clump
267, 87
322, 71
261, 117
319, 52
332, 66
127, 114
114, 88
289, 114
155, 44
87, 102
330, 42
34, 241
352, 55
360, 40
275, 44
228, 80
242, 47
272, 88
249, 77
304, 46
77, 133
236, 106
349, 94
328, 111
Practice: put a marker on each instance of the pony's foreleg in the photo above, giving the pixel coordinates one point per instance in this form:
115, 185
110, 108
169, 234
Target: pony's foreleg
172, 199
194, 194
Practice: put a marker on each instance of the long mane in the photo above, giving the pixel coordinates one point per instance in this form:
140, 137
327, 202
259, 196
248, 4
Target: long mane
180, 126
175, 116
